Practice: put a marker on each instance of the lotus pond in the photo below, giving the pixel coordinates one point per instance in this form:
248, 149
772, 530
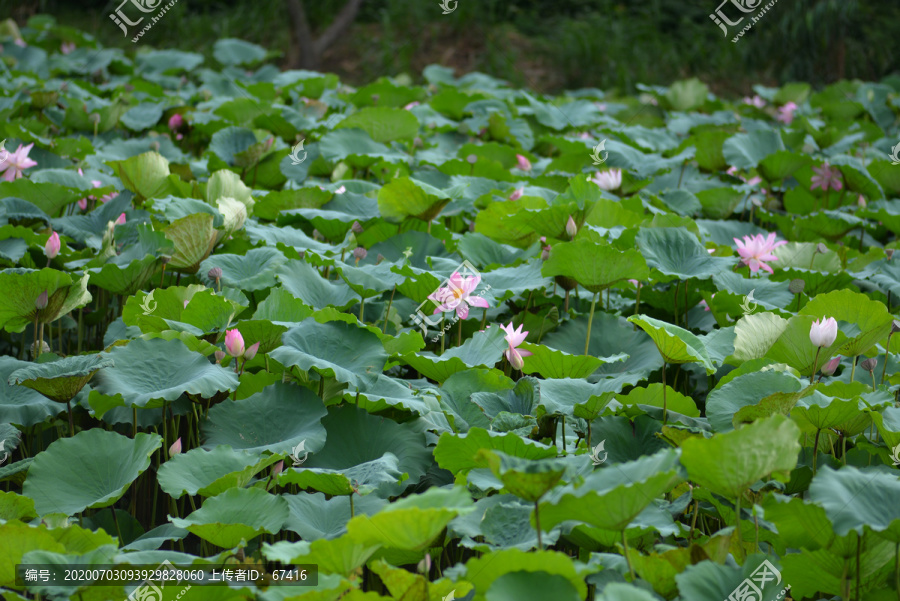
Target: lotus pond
447, 339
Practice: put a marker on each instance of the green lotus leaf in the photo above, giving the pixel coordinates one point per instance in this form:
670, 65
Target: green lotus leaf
231, 51
820, 412
612, 498
146, 175
282, 308
728, 464
253, 271
686, 95
61, 380
235, 515
527, 479
165, 309
744, 391
745, 151
148, 373
652, 395
92, 469
482, 349
514, 562
313, 516
858, 499
209, 473
755, 334
194, 238
124, 279
617, 591
794, 347
276, 419
458, 453
595, 266
22, 287
676, 252
356, 147
871, 318
383, 124
16, 507
551, 363
404, 197
676, 345
341, 555
304, 282
21, 405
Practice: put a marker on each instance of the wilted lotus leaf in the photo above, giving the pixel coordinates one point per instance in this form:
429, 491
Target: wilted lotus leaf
22, 287
61, 380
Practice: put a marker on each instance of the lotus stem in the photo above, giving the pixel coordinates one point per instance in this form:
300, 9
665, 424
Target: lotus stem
362, 310
564, 435
388, 314
675, 310
40, 346
71, 421
816, 366
897, 569
665, 406
853, 369
459, 334
587, 339
442, 332
351, 505
887, 351
816, 450
858, 567
80, 327
694, 520
627, 559
685, 304
484, 320
164, 449
737, 521
537, 525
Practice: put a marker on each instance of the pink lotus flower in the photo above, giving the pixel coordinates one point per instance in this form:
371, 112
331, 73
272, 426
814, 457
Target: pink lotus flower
234, 343
121, 219
824, 332
51, 248
517, 194
786, 113
17, 162
176, 121
19, 42
175, 449
635, 283
756, 250
826, 177
458, 295
861, 201
705, 305
82, 204
608, 180
523, 163
412, 104
755, 101
67, 47
514, 338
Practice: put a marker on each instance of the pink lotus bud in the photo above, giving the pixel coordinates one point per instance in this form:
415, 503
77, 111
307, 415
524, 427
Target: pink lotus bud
51, 248
517, 194
340, 190
234, 343
186, 303
830, 367
251, 351
571, 228
82, 204
412, 104
545, 253
219, 356
41, 301
823, 332
268, 145
277, 468
121, 219
523, 163
861, 202
175, 449
176, 121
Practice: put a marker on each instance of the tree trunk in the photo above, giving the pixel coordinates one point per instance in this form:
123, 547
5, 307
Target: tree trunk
306, 52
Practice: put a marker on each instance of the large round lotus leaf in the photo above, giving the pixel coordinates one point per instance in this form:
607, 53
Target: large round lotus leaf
595, 266
165, 309
304, 282
676, 345
313, 516
482, 349
485, 570
361, 479
870, 317
503, 522
236, 514
531, 586
354, 438
653, 395
611, 498
146, 174
617, 591
729, 464
22, 287
383, 124
209, 473
744, 391
276, 419
411, 523
124, 279
92, 469
253, 271
794, 347
340, 555
20, 405
855, 499
457, 452
150, 372
334, 350
676, 252
405, 197
819, 412
527, 479
61, 380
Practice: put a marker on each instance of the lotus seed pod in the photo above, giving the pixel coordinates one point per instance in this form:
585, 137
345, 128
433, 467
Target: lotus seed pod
45, 348
821, 248
796, 286
356, 227
360, 253
220, 356
95, 119
472, 159
215, 273
164, 259
889, 252
869, 364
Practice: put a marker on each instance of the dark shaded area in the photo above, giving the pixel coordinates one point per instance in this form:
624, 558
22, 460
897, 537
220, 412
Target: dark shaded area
544, 44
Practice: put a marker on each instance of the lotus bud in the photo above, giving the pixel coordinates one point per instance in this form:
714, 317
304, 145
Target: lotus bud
356, 227
417, 142
277, 468
41, 302
571, 228
379, 258
823, 332
375, 98
517, 194
360, 253
829, 368
821, 248
895, 327
424, 566
251, 351
341, 190
215, 273
220, 355
523, 163
234, 343
545, 253
175, 449
51, 248
869, 364
121, 219
889, 252
861, 202
796, 286
268, 145
471, 159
